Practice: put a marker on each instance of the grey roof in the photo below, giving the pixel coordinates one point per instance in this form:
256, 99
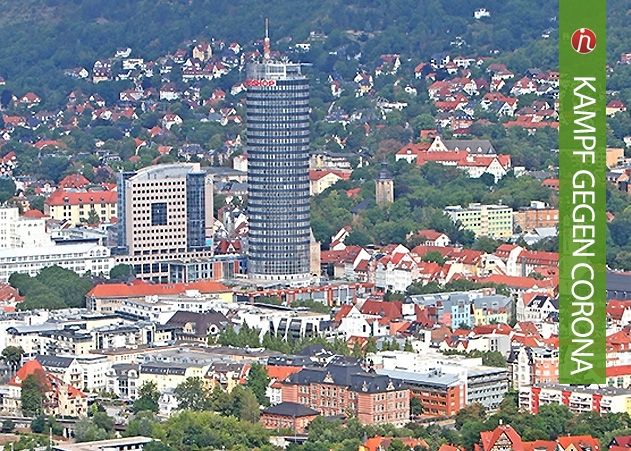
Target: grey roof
53, 361
202, 321
619, 285
353, 377
480, 146
290, 409
492, 301
432, 378
162, 368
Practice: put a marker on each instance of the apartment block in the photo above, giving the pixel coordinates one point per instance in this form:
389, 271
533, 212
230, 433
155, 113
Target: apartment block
538, 215
577, 399
494, 221
79, 207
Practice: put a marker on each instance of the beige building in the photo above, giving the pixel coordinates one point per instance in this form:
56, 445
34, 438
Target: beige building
79, 207
494, 221
384, 188
165, 216
322, 179
536, 216
615, 156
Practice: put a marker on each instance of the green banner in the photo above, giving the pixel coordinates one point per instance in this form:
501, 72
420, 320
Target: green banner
582, 149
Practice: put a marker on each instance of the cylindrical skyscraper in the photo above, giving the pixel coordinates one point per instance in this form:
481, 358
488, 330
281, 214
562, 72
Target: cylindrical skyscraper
278, 171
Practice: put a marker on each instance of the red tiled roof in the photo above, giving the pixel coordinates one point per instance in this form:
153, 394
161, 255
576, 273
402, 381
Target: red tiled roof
30, 368
281, 372
428, 234
317, 174
523, 283
74, 181
342, 312
140, 288
388, 310
500, 329
489, 438
579, 441
615, 308
9, 294
539, 445
62, 197
381, 443
622, 370
623, 441
33, 214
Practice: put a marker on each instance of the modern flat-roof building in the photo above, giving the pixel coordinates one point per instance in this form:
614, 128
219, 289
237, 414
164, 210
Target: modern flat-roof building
444, 384
495, 221
79, 258
278, 171
577, 399
165, 214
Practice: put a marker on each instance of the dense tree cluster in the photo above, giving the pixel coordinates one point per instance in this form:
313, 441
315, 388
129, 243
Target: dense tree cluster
248, 337
420, 196
53, 288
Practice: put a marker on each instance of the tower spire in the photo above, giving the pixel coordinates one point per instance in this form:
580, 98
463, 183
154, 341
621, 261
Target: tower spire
266, 46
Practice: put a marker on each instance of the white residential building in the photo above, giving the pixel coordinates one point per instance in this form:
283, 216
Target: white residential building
79, 258
22, 231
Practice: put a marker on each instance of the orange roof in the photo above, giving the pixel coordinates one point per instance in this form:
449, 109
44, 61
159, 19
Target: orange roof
379, 443
489, 438
429, 234
317, 174
30, 368
342, 312
500, 329
517, 281
539, 445
74, 181
63, 197
622, 370
281, 372
579, 441
33, 214
140, 288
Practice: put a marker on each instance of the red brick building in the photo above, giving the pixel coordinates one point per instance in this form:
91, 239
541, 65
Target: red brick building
288, 415
348, 390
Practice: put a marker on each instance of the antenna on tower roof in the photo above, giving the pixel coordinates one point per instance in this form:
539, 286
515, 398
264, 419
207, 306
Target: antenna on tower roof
266, 46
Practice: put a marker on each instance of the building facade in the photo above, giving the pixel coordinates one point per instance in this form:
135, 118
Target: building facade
577, 399
165, 214
278, 172
22, 231
494, 221
79, 258
384, 188
347, 390
79, 207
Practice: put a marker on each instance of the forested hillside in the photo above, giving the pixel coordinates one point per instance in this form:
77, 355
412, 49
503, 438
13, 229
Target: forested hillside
52, 35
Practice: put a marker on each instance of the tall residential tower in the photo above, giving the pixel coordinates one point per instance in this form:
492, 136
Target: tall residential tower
278, 171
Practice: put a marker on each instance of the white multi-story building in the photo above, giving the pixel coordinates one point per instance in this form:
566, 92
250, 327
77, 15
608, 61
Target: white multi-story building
79, 258
22, 231
577, 399
85, 372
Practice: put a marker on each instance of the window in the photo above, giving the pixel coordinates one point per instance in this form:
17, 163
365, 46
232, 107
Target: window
159, 214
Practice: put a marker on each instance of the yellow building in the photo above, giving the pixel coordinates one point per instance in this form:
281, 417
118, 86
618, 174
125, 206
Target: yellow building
321, 179
494, 221
615, 156
76, 206
167, 376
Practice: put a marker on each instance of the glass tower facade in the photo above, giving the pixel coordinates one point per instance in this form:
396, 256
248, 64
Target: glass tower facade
278, 171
